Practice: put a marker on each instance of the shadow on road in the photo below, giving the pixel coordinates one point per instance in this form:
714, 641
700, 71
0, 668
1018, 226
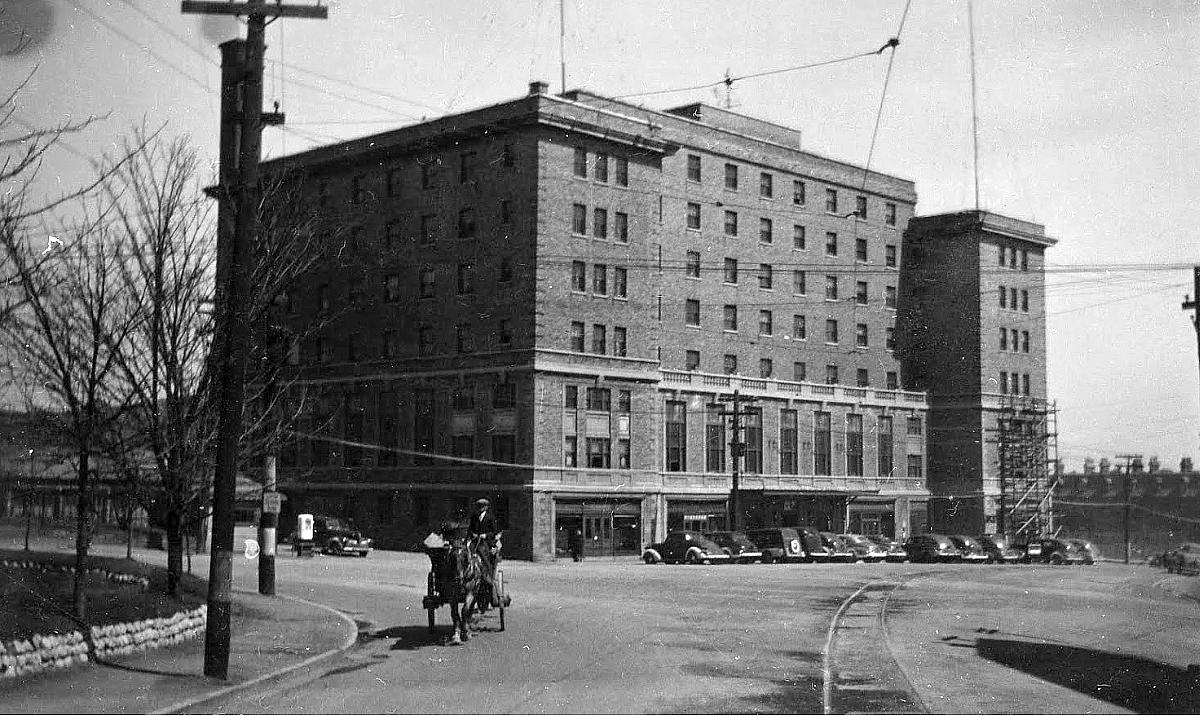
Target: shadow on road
1138, 684
412, 636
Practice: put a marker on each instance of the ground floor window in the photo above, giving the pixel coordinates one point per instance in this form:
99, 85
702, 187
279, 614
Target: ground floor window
601, 528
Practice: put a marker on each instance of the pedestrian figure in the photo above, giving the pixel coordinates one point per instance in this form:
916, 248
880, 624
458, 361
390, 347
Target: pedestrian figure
575, 544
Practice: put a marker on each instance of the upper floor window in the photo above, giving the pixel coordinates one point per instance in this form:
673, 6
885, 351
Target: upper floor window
466, 167
860, 249
428, 229
692, 266
691, 312
731, 318
600, 223
600, 170
621, 227
831, 243
831, 288
693, 167
579, 219
731, 223
731, 177
860, 293
831, 330
799, 193
693, 215
428, 173
765, 276
766, 185
621, 165
466, 223
799, 238
731, 270
889, 256
581, 162
466, 278
860, 207
391, 288
831, 201
765, 231
395, 181
889, 214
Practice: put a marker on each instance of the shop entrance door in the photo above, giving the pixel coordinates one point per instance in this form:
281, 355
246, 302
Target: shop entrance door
609, 529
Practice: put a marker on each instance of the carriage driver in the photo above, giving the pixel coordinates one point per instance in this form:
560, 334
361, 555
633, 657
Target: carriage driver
483, 526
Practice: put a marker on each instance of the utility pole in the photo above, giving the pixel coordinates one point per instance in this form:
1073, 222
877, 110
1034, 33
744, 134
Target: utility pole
1129, 460
232, 326
737, 448
1192, 303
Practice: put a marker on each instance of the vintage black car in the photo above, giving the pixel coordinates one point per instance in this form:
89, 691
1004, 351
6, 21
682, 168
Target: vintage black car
1184, 559
932, 548
335, 536
894, 547
839, 550
972, 552
739, 546
1059, 551
687, 547
778, 544
998, 549
865, 549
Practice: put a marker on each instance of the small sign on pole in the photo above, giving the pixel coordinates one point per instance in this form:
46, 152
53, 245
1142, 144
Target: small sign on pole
272, 502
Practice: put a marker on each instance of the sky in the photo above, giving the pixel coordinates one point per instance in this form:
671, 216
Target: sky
1086, 124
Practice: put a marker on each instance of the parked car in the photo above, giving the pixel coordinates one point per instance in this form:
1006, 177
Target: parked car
332, 535
998, 550
740, 548
687, 547
1087, 550
1030, 548
932, 548
839, 550
778, 544
813, 545
972, 552
864, 548
1184, 559
894, 547
1059, 551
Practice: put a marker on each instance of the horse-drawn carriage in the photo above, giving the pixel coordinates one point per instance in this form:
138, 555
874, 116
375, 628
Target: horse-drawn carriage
458, 577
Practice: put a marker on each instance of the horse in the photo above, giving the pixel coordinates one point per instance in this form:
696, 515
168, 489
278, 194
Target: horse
460, 581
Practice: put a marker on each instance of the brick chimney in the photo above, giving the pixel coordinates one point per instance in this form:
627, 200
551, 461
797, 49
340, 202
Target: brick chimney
539, 87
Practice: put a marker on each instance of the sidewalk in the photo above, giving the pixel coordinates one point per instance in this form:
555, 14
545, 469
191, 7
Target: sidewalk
269, 634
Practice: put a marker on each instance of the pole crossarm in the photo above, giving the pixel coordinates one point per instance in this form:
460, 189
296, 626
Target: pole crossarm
262, 9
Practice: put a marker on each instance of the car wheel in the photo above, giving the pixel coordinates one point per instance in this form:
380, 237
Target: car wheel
1056, 559
693, 557
649, 558
334, 547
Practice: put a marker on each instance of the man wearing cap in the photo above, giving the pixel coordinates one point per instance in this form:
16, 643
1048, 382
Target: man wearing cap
483, 526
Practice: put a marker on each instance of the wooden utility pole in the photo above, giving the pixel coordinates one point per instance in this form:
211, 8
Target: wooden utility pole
1192, 303
232, 329
1129, 460
737, 448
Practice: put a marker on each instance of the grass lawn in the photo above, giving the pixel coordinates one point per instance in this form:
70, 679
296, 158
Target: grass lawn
37, 602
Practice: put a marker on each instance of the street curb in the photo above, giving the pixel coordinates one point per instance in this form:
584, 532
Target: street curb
347, 643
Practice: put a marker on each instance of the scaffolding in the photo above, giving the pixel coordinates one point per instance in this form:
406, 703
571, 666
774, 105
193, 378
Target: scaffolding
1027, 441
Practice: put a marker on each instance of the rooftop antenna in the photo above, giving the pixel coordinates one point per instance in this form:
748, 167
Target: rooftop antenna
562, 43
974, 99
728, 90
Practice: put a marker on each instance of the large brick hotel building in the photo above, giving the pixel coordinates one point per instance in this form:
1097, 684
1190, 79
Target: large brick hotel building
566, 290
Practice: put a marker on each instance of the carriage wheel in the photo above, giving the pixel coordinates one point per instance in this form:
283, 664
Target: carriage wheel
432, 620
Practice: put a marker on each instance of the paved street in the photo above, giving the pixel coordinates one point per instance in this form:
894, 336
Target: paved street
625, 637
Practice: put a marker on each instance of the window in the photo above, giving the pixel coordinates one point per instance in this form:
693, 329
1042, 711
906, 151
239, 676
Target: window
691, 312
831, 288
428, 229
731, 270
391, 235
831, 330
914, 426
799, 195
623, 453
425, 344
621, 227
506, 270
889, 296
832, 376
428, 173
892, 380
1012, 298
860, 335
766, 325
822, 444
504, 396
752, 432
731, 223
714, 438
831, 243
464, 340
1003, 297
323, 298
391, 344
508, 156
691, 360
624, 401
579, 219
799, 371
571, 397
600, 279
692, 265
570, 450
731, 322
466, 223
676, 436
620, 341
1024, 260
466, 278
1013, 336
854, 445
426, 283
831, 202
599, 453
730, 364
622, 171
395, 180
889, 214
1025, 384
600, 170
620, 282
324, 350
766, 185
1003, 339
765, 231
1024, 301
765, 276
466, 167
577, 331
581, 162
799, 238
1024, 341
578, 276
860, 293
391, 288
731, 177
599, 339
354, 291
788, 449
1003, 381
884, 448
600, 223
860, 207
357, 193
862, 378
323, 194
693, 215
889, 256
890, 340
799, 282
916, 466
353, 341
693, 167
504, 333
766, 368
1012, 258
1001, 255
799, 328
860, 249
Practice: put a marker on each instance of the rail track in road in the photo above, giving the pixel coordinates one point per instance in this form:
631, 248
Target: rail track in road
859, 674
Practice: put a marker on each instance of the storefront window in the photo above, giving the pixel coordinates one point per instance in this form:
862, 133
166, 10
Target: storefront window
752, 432
676, 436
788, 462
714, 438
822, 444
